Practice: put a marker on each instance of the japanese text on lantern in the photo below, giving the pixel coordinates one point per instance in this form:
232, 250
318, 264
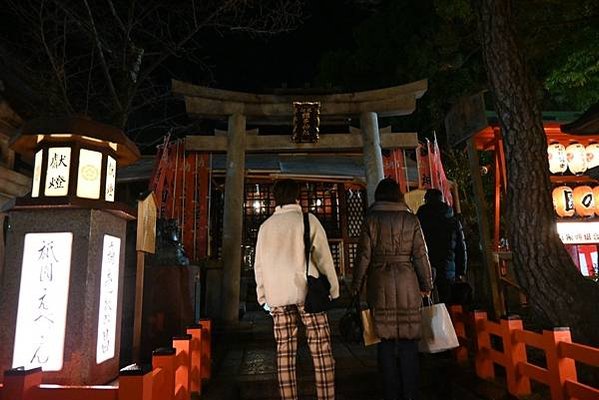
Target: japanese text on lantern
43, 299
109, 290
110, 178
57, 177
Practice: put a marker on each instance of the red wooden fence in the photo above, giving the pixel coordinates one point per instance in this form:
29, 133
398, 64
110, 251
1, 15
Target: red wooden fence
560, 353
176, 372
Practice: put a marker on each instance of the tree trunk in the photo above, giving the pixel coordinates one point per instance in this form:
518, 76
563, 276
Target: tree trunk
558, 294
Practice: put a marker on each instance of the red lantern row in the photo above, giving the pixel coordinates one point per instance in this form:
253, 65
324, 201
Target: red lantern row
582, 200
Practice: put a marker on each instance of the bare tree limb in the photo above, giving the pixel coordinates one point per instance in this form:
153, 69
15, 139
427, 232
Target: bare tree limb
108, 76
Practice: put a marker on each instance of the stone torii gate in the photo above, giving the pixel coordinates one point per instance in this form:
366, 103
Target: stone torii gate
265, 109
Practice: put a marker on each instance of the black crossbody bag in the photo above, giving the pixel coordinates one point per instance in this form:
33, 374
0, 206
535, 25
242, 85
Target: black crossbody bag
317, 297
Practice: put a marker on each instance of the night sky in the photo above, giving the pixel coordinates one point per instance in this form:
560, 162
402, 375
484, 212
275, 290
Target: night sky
262, 64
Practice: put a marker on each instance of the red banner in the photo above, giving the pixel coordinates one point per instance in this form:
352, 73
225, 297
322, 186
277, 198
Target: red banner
424, 171
394, 167
181, 182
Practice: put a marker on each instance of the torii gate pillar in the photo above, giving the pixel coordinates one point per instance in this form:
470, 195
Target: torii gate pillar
233, 217
373, 157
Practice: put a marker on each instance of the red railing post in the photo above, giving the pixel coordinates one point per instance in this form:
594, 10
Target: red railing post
182, 345
21, 384
457, 317
196, 357
515, 352
560, 368
482, 361
135, 382
206, 371
164, 358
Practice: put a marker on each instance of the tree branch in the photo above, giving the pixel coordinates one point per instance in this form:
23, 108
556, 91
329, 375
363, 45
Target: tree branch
60, 78
105, 68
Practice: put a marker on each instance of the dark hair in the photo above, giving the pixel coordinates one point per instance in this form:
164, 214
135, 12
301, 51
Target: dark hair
388, 190
433, 196
286, 191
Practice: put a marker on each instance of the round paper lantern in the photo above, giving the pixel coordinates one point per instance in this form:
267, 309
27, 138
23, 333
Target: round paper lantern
556, 153
592, 155
577, 158
583, 201
563, 201
596, 198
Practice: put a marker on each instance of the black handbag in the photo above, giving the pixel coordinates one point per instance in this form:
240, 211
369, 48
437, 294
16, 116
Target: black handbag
350, 324
317, 297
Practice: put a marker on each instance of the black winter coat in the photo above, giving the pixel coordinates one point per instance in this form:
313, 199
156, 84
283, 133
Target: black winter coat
444, 239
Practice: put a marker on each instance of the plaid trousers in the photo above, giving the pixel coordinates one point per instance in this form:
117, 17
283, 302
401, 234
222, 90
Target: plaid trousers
318, 336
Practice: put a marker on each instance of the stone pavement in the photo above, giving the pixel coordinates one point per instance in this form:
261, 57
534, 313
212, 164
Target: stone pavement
244, 367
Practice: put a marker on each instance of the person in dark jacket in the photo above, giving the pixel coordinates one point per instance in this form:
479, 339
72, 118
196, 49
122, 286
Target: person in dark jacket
445, 242
393, 263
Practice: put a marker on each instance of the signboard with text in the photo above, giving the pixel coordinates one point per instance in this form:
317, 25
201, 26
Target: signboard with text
43, 300
109, 292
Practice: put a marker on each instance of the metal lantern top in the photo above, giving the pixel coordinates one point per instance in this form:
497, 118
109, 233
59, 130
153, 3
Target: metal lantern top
75, 129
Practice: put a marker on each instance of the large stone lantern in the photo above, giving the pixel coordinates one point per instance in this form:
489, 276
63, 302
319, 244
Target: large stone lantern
62, 284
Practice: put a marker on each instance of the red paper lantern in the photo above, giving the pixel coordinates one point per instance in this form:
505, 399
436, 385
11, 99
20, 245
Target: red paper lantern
563, 201
583, 201
596, 197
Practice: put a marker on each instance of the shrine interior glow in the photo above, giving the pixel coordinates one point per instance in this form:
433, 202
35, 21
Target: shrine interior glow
43, 300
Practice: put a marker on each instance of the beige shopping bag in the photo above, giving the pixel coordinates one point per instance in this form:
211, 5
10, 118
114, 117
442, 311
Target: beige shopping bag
368, 332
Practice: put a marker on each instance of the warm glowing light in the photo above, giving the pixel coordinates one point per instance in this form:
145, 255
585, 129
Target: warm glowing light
110, 179
91, 139
577, 158
37, 174
89, 176
584, 202
578, 232
592, 151
563, 201
109, 292
43, 300
257, 205
57, 176
556, 153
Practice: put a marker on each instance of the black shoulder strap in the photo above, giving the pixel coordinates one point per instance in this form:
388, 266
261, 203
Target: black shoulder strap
307, 244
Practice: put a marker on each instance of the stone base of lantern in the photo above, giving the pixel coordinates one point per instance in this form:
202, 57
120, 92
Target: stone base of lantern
83, 312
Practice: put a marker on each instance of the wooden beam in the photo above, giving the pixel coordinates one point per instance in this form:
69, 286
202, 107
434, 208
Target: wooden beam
283, 143
413, 89
203, 107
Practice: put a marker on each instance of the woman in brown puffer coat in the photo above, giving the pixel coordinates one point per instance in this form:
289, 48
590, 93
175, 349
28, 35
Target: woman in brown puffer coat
393, 261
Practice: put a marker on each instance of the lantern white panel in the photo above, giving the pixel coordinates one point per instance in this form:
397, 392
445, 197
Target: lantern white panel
37, 174
577, 158
43, 300
109, 292
578, 232
110, 179
57, 175
89, 175
558, 161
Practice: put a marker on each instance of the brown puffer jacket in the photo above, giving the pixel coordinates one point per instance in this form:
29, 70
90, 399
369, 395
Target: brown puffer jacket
392, 258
